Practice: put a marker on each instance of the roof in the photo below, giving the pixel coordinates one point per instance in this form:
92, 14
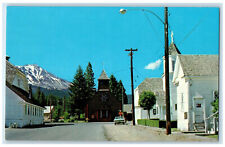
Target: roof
12, 72
173, 50
21, 93
103, 76
199, 65
47, 110
154, 85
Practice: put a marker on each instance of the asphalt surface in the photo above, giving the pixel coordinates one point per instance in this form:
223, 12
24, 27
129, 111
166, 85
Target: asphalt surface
80, 132
95, 132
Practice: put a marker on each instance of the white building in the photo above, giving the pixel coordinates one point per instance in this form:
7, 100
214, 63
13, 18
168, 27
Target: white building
159, 109
48, 113
196, 78
159, 84
173, 52
20, 110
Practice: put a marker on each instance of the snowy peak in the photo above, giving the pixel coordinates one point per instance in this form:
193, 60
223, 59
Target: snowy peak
37, 76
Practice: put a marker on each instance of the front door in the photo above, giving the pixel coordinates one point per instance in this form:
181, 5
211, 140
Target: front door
199, 112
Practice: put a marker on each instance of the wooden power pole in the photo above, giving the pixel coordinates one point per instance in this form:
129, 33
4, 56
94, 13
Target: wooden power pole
168, 122
132, 84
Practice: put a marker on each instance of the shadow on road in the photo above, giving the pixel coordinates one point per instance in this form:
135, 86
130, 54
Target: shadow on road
46, 125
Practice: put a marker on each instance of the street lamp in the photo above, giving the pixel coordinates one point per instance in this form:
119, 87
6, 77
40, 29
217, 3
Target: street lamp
168, 123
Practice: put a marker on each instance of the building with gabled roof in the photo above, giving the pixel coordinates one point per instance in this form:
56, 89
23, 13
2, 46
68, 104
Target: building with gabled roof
196, 80
20, 110
103, 107
154, 85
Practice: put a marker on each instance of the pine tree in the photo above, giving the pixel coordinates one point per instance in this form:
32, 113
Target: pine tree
78, 91
113, 86
89, 77
122, 93
37, 97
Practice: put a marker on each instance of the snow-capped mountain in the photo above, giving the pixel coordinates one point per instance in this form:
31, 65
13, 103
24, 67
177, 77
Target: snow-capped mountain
39, 77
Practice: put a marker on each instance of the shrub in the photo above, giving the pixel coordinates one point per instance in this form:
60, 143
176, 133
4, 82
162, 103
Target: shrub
147, 122
66, 115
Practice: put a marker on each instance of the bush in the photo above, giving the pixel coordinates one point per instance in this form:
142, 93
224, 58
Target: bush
141, 122
149, 122
66, 115
66, 120
72, 119
152, 123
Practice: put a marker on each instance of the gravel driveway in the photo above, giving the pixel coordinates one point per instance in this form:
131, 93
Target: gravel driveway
128, 133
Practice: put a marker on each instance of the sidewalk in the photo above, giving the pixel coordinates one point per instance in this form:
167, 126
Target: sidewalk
127, 133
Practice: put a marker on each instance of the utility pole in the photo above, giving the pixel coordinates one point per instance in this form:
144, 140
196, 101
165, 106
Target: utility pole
132, 85
168, 122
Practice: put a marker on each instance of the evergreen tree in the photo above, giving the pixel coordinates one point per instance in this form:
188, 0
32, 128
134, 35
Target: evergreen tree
89, 77
37, 96
78, 91
113, 86
122, 93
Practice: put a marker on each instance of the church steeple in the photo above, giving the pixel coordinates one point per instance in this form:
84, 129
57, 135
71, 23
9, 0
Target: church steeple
103, 75
173, 50
103, 82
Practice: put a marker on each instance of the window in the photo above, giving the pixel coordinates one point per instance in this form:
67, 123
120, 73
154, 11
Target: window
185, 115
19, 82
175, 106
28, 112
106, 113
25, 109
154, 111
198, 105
173, 65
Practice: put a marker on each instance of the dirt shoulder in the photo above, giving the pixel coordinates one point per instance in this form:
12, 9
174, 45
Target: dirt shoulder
128, 133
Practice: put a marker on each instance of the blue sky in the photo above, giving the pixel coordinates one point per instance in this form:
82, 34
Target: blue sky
60, 38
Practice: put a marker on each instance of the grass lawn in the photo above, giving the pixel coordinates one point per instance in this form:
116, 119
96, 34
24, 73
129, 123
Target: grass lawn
213, 136
174, 130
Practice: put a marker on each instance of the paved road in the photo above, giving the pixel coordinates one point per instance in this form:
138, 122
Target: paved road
99, 132
60, 132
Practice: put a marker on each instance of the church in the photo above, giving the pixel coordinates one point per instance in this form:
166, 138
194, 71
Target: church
103, 107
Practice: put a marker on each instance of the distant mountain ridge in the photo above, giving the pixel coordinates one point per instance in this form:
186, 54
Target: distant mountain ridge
38, 77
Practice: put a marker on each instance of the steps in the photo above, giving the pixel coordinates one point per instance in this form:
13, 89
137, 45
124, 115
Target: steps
199, 126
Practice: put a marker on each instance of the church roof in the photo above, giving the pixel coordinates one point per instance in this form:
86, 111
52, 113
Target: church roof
199, 65
154, 85
173, 50
103, 76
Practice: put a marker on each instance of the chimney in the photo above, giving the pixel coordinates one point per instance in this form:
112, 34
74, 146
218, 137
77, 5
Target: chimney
7, 58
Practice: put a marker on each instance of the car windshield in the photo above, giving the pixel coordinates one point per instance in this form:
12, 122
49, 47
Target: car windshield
118, 117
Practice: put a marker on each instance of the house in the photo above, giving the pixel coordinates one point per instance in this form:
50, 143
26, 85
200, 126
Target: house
20, 110
196, 80
103, 107
48, 113
159, 109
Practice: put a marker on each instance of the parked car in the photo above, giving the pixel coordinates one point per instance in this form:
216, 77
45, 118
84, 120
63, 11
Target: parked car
119, 120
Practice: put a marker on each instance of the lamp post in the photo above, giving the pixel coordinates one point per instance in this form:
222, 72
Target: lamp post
167, 93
